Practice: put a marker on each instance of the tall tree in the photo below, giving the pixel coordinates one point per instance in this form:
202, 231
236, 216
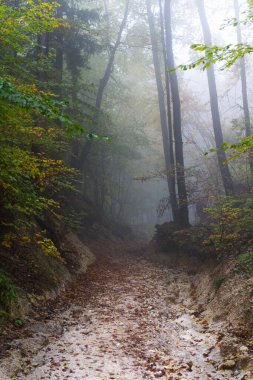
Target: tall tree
162, 109
244, 84
177, 124
218, 134
171, 169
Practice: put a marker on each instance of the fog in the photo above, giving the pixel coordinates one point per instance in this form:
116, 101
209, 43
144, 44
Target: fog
126, 171
136, 166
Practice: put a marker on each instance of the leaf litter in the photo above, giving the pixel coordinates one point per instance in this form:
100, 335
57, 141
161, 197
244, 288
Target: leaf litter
128, 319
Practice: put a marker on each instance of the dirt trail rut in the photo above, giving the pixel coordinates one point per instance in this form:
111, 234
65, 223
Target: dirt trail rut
129, 319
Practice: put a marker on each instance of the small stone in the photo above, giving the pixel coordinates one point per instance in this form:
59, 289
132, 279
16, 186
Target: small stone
189, 364
244, 361
249, 282
243, 349
228, 346
228, 364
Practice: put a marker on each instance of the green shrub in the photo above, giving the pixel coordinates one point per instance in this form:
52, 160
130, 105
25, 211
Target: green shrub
245, 262
18, 322
230, 225
7, 294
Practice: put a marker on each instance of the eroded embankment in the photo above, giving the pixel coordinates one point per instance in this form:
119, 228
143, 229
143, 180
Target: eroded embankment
127, 318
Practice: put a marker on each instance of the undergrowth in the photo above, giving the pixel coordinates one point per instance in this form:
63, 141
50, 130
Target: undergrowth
245, 262
7, 294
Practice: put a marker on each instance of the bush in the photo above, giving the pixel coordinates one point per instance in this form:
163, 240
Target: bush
245, 262
165, 236
228, 230
171, 238
7, 294
230, 225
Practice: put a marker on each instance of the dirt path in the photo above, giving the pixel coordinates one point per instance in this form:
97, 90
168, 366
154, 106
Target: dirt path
128, 319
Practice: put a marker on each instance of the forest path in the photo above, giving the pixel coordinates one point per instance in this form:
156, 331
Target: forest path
127, 318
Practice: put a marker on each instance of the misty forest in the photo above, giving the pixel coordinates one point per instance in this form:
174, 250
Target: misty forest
126, 173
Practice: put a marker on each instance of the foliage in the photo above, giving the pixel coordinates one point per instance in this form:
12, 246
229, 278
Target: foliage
32, 177
27, 171
228, 230
21, 22
241, 148
7, 293
169, 237
28, 184
230, 225
245, 262
47, 246
36, 122
30, 98
18, 322
246, 18
227, 55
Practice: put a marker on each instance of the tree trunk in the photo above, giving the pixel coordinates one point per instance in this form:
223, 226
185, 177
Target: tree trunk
162, 108
218, 135
171, 169
177, 125
244, 85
